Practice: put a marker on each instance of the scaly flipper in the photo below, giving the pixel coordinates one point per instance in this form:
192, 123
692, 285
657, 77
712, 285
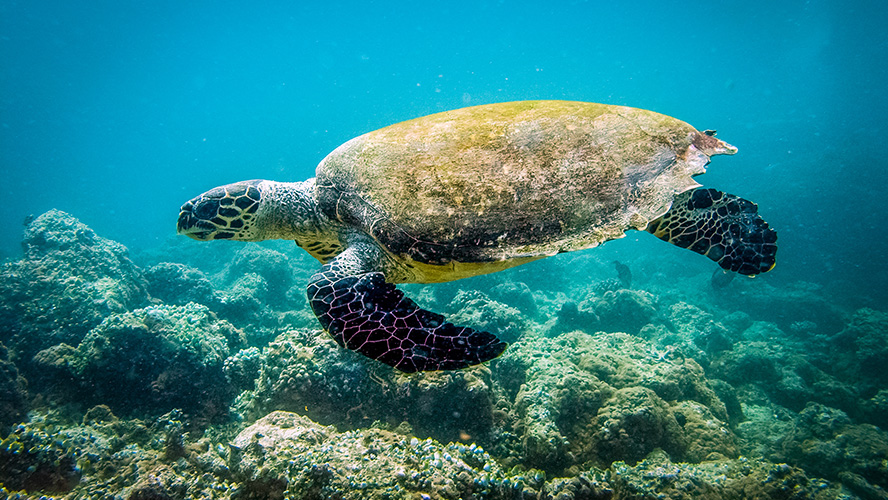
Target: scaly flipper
365, 313
721, 226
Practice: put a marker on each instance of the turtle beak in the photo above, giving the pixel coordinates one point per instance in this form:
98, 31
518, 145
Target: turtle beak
193, 226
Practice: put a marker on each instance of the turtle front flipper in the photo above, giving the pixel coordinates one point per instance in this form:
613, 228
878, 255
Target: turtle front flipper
721, 226
365, 313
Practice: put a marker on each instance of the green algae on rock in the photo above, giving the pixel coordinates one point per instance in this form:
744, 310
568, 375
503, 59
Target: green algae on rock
604, 397
13, 395
307, 373
68, 280
152, 359
287, 455
177, 284
826, 442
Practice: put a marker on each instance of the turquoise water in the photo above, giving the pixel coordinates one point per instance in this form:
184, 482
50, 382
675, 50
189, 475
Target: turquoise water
118, 112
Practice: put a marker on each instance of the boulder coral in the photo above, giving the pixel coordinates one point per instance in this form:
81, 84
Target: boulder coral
605, 397
621, 310
827, 443
474, 308
151, 360
13, 396
304, 371
860, 350
284, 454
784, 374
179, 284
67, 281
517, 295
272, 267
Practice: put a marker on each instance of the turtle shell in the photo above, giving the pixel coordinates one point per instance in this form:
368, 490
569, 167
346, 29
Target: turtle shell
518, 180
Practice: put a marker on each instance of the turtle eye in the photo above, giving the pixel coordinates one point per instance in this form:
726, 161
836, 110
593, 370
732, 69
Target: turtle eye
207, 208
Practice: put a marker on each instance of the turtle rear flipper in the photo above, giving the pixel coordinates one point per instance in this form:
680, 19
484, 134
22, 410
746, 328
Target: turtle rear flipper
365, 313
721, 226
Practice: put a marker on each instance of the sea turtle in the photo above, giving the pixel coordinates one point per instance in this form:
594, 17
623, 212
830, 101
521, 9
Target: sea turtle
474, 191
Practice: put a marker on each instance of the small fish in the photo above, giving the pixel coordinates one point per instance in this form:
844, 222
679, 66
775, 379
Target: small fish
624, 274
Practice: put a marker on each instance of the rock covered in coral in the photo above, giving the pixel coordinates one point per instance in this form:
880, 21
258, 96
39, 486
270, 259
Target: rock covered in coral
476, 309
657, 477
68, 280
242, 369
13, 396
860, 350
825, 442
787, 377
631, 424
609, 397
553, 391
305, 371
271, 267
104, 456
783, 306
517, 295
610, 309
241, 302
876, 409
749, 362
178, 284
706, 437
621, 310
32, 458
695, 326
287, 455
151, 359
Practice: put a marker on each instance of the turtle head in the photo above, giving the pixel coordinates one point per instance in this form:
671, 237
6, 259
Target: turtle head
252, 211
224, 213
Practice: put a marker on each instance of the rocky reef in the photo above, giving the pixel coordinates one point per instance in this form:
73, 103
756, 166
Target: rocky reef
68, 280
171, 375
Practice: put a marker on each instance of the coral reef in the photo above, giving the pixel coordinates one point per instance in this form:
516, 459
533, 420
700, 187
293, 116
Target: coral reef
179, 284
798, 301
860, 350
68, 280
13, 402
306, 372
284, 454
605, 397
268, 266
621, 310
475, 309
658, 478
206, 376
788, 378
517, 295
150, 359
826, 443
32, 458
107, 457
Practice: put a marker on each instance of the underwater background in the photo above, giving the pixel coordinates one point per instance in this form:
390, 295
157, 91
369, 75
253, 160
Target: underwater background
138, 364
